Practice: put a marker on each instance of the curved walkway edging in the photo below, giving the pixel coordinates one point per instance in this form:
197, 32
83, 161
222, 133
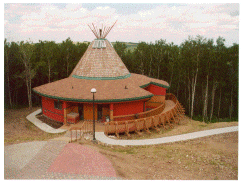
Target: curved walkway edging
46, 128
100, 136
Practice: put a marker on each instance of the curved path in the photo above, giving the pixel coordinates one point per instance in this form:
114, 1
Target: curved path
43, 126
100, 136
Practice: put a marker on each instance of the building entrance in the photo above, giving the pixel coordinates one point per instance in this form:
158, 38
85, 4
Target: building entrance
81, 111
99, 109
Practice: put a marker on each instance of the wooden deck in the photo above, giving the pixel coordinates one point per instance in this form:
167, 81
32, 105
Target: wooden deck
169, 104
169, 113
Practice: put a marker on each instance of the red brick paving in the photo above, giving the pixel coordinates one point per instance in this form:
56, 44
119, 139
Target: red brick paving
78, 159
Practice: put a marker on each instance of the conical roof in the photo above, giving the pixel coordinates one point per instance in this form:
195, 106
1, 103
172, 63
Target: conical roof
100, 62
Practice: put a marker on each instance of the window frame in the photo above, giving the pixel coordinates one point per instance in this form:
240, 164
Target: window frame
58, 104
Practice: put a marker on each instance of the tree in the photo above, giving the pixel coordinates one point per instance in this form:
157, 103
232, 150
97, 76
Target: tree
49, 50
142, 52
26, 51
120, 49
7, 67
159, 50
172, 54
233, 75
67, 49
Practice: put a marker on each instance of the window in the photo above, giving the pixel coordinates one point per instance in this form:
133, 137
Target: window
58, 105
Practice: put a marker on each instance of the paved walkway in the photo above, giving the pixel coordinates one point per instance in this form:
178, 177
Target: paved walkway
55, 160
79, 159
100, 136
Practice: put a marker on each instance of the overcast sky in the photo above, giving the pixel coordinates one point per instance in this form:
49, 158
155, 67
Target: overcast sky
136, 22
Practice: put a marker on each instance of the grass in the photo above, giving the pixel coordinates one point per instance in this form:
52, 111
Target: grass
204, 158
20, 139
18, 129
25, 138
30, 126
202, 125
214, 119
119, 149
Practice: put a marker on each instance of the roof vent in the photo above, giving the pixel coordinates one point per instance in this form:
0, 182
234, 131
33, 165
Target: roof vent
99, 43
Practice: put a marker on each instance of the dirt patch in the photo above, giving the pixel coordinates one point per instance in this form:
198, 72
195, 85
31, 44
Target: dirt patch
50, 122
209, 158
18, 129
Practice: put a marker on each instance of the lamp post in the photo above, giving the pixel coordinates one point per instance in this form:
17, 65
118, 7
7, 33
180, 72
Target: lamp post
93, 90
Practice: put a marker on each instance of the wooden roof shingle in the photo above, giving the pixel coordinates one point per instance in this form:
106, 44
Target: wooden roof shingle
74, 89
100, 61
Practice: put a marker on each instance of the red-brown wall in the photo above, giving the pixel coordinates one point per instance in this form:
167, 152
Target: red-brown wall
119, 109
127, 108
156, 90
49, 110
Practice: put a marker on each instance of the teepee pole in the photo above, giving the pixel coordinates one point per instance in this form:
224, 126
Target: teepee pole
93, 32
110, 29
101, 33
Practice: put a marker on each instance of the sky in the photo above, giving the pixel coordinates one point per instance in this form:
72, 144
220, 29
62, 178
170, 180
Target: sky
136, 21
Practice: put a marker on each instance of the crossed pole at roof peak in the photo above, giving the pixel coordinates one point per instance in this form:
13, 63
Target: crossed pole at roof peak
102, 32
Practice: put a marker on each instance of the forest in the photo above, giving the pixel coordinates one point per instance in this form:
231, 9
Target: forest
203, 73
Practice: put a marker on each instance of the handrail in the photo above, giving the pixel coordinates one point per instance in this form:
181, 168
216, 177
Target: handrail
170, 96
75, 128
127, 117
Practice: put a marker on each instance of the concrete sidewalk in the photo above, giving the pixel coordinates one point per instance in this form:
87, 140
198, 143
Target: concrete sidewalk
100, 136
46, 128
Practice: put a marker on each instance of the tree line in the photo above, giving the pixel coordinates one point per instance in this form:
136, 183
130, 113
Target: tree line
202, 74
27, 65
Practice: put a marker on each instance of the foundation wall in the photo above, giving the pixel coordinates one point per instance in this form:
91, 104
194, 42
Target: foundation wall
50, 111
158, 98
156, 90
128, 108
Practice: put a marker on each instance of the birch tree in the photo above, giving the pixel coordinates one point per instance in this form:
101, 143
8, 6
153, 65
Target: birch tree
49, 50
205, 104
7, 67
67, 51
159, 49
26, 51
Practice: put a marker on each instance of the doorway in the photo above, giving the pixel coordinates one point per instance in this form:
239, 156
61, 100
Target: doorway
81, 111
99, 108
